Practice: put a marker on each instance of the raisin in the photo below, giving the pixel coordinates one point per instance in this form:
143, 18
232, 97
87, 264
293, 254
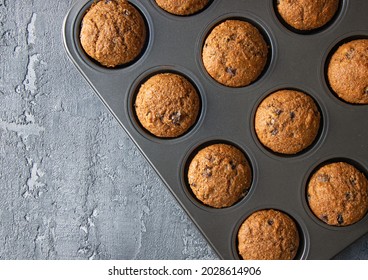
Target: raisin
365, 91
270, 222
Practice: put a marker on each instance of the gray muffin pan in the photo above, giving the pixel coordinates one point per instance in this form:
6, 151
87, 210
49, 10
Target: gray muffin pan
297, 60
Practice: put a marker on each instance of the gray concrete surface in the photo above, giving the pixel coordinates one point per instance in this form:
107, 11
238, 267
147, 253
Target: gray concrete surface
72, 184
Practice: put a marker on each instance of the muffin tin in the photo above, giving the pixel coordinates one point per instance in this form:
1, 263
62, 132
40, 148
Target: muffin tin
297, 60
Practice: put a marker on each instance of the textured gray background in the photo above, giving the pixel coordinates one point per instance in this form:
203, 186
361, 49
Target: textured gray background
72, 184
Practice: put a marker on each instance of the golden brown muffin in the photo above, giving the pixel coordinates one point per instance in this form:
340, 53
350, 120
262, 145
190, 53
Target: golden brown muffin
268, 235
234, 53
307, 14
167, 105
113, 32
287, 121
338, 194
219, 175
348, 72
182, 7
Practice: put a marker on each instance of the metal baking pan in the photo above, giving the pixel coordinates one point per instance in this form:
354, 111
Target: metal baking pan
297, 60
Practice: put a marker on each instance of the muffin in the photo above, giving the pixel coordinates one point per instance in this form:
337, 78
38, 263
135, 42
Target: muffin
307, 14
338, 194
268, 235
287, 121
348, 72
182, 7
113, 32
167, 105
234, 53
219, 175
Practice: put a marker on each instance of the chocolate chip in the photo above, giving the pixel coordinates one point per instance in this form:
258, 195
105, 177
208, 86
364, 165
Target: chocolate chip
308, 197
107, 1
353, 180
232, 37
292, 116
365, 90
292, 247
348, 196
324, 218
126, 12
210, 158
340, 219
231, 71
160, 117
350, 53
323, 178
270, 222
278, 112
275, 132
207, 172
233, 165
175, 118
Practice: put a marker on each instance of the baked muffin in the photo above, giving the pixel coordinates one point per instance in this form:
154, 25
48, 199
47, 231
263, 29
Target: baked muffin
167, 105
182, 7
307, 14
219, 175
268, 235
338, 194
234, 53
113, 32
287, 121
348, 72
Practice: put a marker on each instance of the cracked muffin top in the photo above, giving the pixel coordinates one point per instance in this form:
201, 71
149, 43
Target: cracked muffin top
219, 175
113, 32
338, 194
348, 72
167, 105
182, 7
307, 14
235, 53
287, 121
268, 235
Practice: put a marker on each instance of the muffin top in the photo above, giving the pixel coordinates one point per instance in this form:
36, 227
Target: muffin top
235, 53
268, 235
182, 7
307, 14
338, 194
348, 72
219, 175
287, 121
167, 105
113, 32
